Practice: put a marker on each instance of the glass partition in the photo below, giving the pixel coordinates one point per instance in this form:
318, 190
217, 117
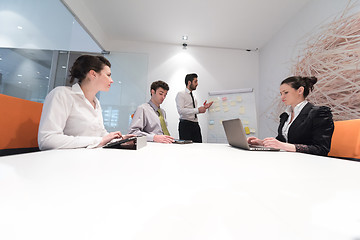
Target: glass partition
129, 72
25, 73
42, 24
28, 71
30, 74
36, 38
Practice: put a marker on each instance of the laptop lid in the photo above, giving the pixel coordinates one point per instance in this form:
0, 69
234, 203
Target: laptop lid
236, 136
235, 133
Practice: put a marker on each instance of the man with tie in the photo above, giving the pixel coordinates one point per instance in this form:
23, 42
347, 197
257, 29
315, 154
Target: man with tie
149, 119
186, 104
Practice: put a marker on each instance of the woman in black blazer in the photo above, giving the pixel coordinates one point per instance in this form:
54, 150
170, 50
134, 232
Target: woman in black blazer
303, 127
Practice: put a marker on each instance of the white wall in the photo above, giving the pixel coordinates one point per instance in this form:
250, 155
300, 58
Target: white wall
221, 69
276, 57
218, 69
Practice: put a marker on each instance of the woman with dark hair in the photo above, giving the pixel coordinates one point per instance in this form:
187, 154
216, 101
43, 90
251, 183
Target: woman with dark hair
303, 127
72, 116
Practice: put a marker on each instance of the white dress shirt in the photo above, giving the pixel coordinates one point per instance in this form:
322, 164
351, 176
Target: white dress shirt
287, 124
146, 121
184, 105
69, 120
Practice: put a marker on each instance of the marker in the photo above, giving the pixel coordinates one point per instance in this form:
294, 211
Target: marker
205, 102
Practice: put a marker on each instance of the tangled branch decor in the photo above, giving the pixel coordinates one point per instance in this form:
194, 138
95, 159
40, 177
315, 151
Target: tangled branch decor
333, 56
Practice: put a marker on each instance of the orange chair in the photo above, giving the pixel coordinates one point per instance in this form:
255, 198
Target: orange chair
345, 142
19, 124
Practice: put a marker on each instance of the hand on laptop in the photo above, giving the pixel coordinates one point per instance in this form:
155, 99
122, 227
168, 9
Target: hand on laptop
107, 138
128, 136
255, 141
274, 143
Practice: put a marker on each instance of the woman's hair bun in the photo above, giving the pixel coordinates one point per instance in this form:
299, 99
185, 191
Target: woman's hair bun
310, 82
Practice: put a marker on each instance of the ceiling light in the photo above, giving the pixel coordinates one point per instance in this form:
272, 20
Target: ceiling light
185, 37
19, 75
19, 27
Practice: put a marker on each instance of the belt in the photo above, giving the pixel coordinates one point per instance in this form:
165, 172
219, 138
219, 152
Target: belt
188, 121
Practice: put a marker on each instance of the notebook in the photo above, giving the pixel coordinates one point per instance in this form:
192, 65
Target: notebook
236, 137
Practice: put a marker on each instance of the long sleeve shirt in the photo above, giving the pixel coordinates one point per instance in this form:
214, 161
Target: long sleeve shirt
146, 121
185, 107
68, 120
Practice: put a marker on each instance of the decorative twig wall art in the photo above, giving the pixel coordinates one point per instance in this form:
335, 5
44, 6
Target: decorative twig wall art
333, 56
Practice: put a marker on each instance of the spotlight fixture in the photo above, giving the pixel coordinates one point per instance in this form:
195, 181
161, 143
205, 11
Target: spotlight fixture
184, 38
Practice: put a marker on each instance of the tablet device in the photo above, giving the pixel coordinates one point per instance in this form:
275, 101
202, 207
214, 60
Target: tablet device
118, 143
179, 141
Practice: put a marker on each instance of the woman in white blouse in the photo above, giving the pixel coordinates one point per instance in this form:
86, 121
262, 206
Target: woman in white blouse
303, 127
71, 116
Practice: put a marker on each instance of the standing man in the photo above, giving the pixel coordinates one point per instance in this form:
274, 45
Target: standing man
186, 104
149, 119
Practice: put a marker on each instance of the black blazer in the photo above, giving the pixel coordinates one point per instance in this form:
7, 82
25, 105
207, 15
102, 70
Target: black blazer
311, 131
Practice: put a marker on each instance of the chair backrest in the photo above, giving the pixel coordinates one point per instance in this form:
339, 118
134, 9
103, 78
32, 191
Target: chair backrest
19, 123
345, 141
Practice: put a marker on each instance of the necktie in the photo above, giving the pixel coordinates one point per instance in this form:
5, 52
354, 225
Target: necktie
192, 97
162, 123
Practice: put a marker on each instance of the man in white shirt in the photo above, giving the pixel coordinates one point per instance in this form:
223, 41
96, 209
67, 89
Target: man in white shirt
186, 104
149, 119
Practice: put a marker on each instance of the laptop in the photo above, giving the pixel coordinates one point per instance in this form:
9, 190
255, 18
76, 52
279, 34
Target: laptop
236, 137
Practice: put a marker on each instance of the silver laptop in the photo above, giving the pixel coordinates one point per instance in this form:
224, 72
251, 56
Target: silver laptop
236, 137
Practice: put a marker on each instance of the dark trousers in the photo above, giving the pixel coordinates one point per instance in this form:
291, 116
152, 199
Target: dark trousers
189, 130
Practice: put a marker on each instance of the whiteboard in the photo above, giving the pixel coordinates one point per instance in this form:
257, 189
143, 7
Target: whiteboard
230, 104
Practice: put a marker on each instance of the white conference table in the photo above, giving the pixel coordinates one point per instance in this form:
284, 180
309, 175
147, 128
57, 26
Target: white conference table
193, 191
